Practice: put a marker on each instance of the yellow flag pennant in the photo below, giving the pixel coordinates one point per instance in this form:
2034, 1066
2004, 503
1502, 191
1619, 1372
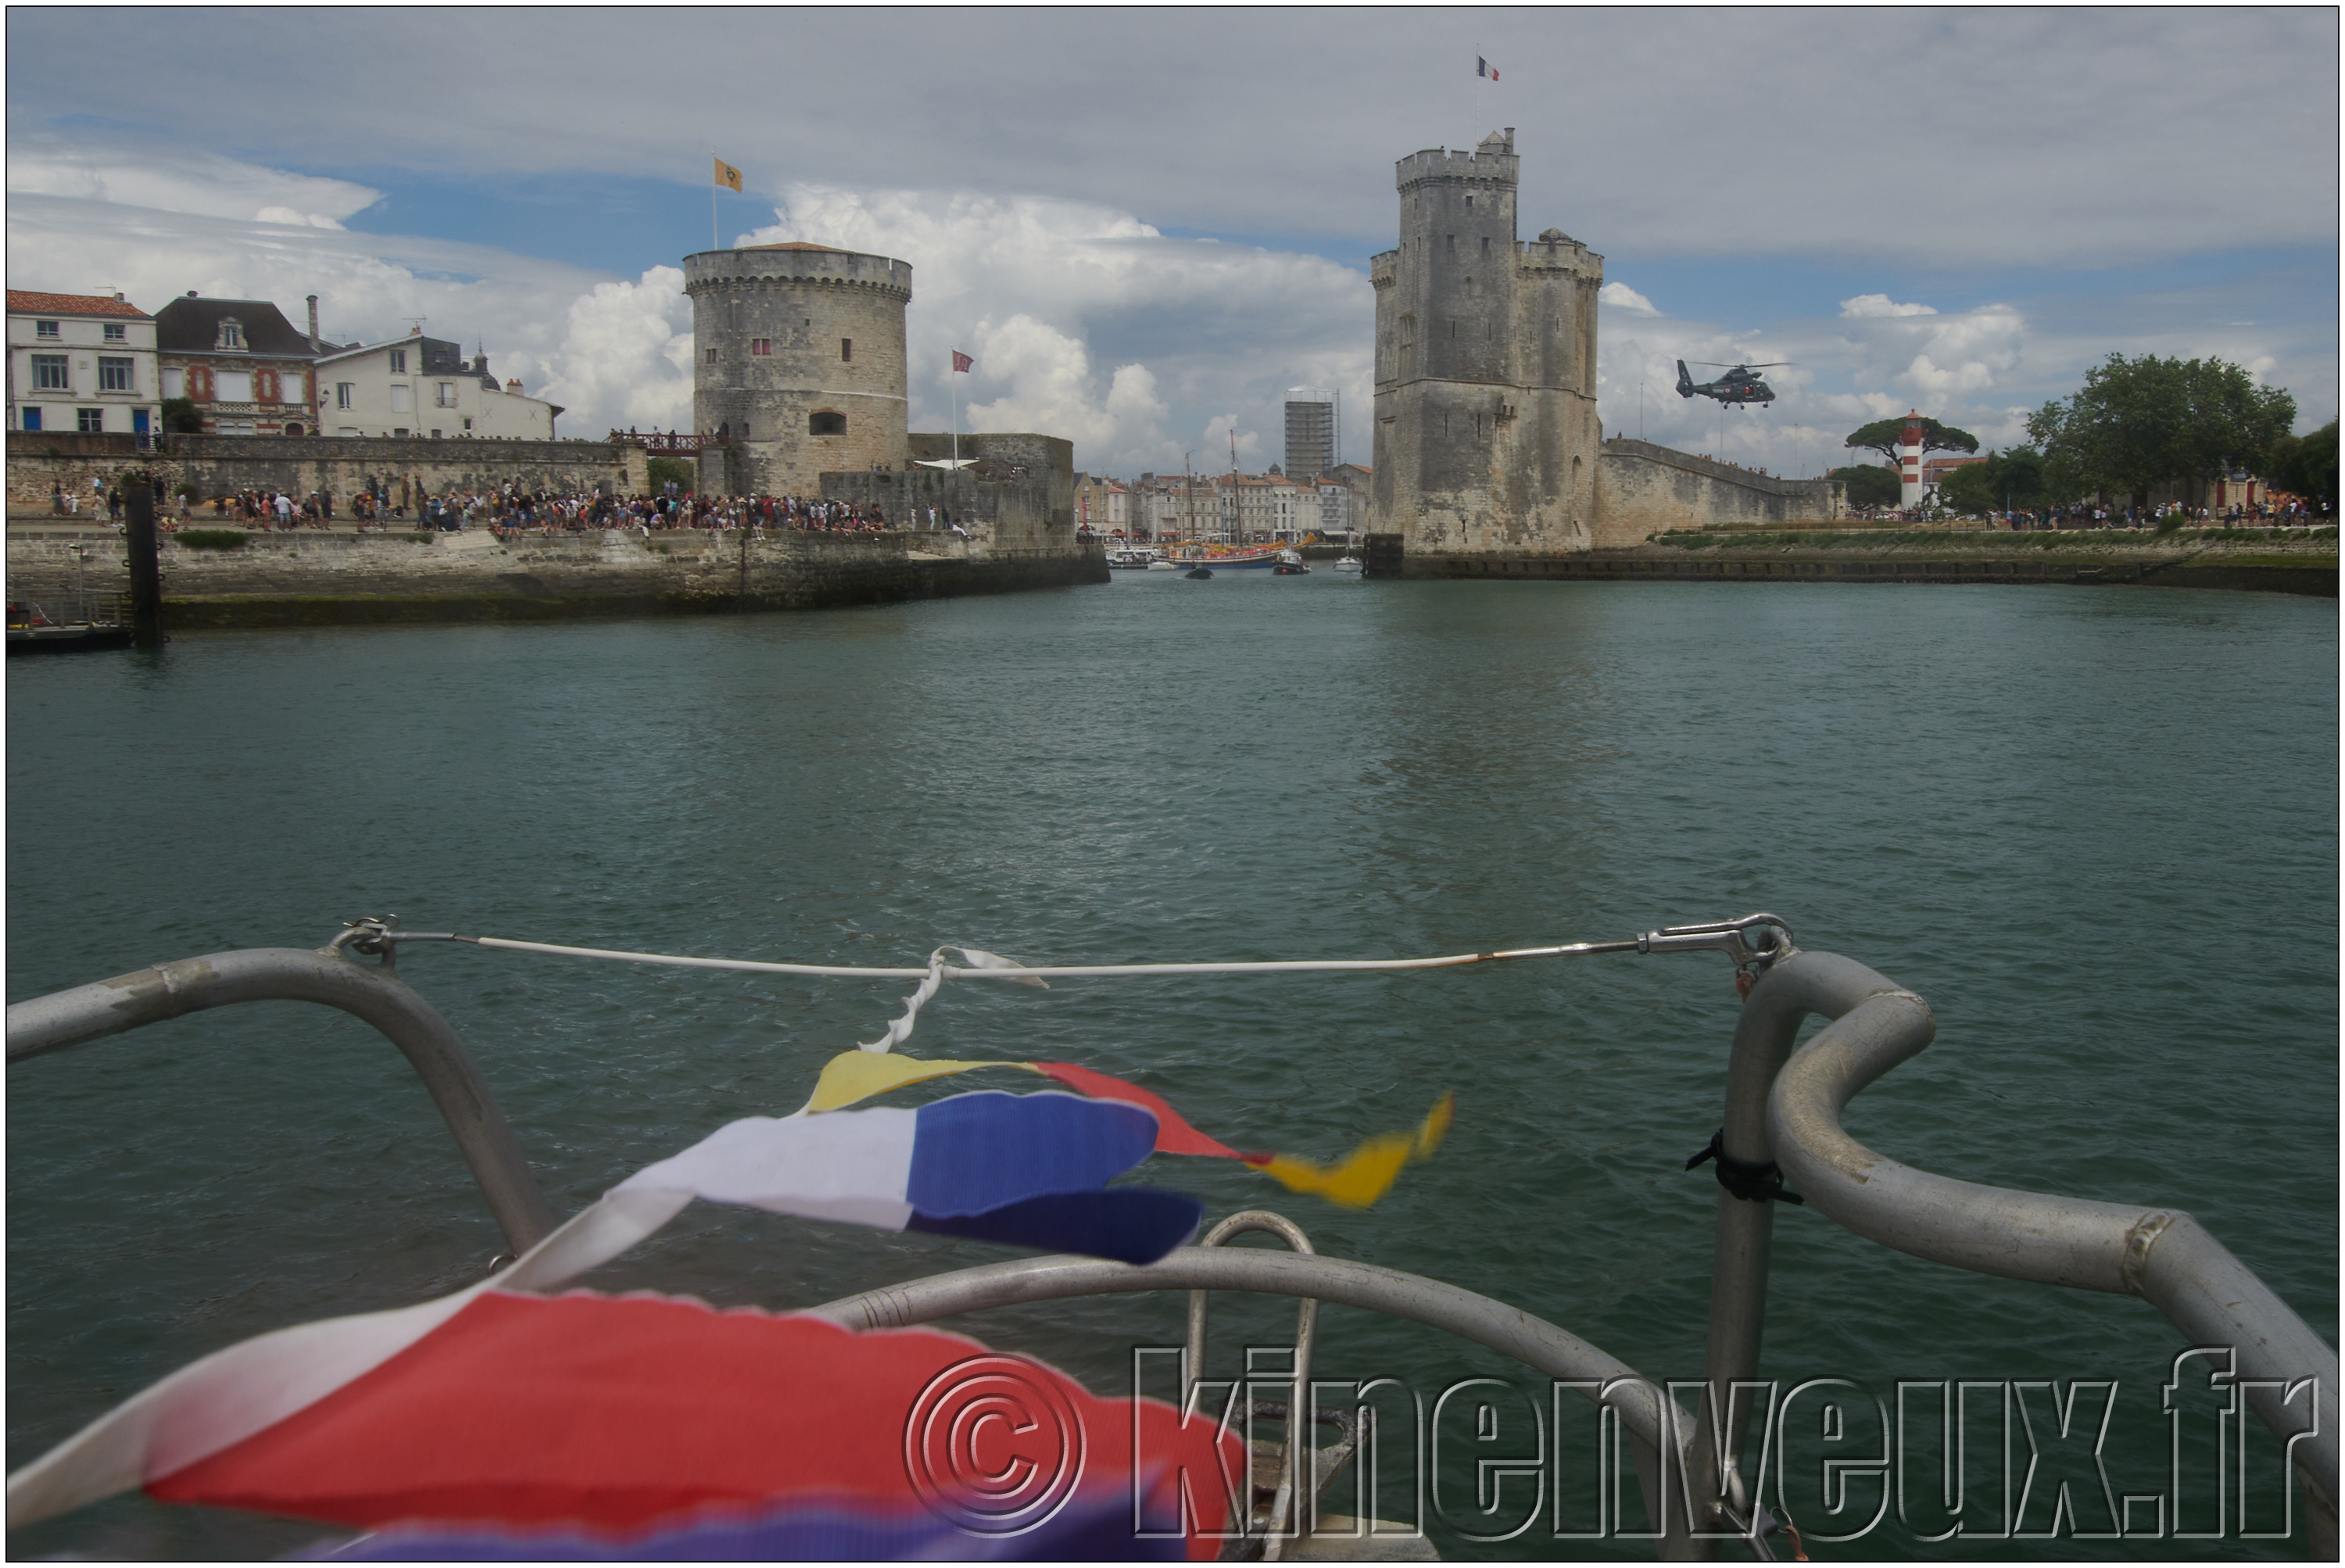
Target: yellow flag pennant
854, 1076
1371, 1169
727, 176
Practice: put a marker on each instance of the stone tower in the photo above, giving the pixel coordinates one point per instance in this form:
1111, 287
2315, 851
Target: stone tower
1486, 427
798, 357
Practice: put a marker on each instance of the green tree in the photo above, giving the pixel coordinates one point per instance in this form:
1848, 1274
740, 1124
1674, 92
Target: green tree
1883, 436
2139, 422
1869, 484
663, 470
2003, 482
180, 418
2306, 466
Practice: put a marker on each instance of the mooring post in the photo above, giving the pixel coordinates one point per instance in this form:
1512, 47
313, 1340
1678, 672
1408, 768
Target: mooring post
145, 572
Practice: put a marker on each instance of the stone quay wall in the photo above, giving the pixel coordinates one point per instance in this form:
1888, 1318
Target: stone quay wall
38, 463
329, 579
1643, 489
1018, 495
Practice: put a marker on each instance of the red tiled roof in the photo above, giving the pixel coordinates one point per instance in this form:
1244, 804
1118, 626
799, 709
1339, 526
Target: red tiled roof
30, 302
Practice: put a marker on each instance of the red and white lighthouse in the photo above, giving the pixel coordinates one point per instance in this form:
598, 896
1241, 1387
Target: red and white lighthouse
1910, 488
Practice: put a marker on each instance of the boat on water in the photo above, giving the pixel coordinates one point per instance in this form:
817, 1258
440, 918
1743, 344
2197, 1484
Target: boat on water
1132, 558
1162, 565
1348, 564
401, 1397
35, 628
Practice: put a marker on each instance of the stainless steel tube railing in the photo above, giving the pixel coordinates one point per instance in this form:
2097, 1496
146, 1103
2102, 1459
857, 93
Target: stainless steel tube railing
366, 991
2161, 1255
1646, 1416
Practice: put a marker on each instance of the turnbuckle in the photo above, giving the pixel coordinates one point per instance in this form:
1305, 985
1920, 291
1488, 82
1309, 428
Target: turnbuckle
1753, 942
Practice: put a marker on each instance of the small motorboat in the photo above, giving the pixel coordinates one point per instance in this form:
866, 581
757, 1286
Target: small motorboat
1348, 564
1161, 565
1198, 574
1290, 569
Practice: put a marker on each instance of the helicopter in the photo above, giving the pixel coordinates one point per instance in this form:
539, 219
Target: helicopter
1740, 384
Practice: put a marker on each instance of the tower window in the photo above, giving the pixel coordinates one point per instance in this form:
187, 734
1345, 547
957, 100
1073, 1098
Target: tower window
712, 356
1452, 238
1486, 245
846, 348
826, 424
761, 345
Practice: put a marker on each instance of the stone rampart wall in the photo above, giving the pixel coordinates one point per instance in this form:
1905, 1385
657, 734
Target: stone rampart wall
39, 463
1642, 490
327, 579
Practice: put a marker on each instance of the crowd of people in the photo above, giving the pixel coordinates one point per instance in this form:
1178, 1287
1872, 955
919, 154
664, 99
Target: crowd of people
2291, 512
511, 511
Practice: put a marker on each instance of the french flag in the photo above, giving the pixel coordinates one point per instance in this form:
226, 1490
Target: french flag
1483, 67
1027, 1170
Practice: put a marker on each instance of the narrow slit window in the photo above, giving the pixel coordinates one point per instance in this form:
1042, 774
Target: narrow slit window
846, 348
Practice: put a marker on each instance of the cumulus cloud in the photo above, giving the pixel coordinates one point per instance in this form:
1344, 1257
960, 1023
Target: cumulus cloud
1089, 324
1621, 297
1866, 305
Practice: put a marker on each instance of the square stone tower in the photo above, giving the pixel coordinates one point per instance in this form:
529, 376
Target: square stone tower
1486, 427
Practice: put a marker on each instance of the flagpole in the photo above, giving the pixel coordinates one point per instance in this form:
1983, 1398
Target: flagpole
711, 205
956, 405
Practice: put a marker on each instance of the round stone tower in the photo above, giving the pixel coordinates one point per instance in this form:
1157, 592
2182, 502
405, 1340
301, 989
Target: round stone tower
798, 357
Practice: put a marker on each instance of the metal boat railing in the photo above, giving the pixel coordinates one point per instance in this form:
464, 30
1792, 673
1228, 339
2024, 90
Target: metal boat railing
1782, 1122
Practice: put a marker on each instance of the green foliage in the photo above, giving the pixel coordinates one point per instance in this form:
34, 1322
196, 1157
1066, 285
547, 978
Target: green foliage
180, 418
1869, 484
669, 470
212, 538
186, 490
2012, 481
2306, 466
2140, 423
1884, 434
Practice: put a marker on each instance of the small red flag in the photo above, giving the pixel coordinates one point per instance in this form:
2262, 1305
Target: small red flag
961, 361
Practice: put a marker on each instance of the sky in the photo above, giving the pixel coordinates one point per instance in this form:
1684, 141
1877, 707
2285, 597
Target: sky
1146, 225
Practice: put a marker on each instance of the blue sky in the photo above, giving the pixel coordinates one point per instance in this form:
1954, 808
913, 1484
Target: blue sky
1146, 269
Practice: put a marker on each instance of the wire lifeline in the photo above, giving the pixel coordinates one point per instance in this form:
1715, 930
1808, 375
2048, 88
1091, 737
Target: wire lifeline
1029, 973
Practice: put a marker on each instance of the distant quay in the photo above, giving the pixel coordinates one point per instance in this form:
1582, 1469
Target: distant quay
2283, 561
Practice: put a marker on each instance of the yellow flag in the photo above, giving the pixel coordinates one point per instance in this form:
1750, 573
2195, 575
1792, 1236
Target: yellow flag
1369, 1173
853, 1075
727, 176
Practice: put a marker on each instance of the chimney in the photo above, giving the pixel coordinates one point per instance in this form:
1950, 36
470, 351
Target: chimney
313, 323
513, 385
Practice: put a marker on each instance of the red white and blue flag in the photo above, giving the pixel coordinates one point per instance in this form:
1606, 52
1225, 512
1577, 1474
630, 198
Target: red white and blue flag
1483, 67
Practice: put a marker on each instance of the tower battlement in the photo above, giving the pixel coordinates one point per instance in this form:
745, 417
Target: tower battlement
1492, 162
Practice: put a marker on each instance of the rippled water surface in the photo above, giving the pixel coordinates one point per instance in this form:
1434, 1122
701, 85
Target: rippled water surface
2096, 830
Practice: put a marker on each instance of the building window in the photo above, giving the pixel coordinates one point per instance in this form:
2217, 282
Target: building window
345, 393
398, 361
1486, 245
846, 348
175, 382
113, 373
1452, 242
435, 435
32, 419
231, 334
89, 421
443, 394
53, 372
48, 330
399, 399
761, 346
826, 424
712, 356
232, 386
116, 332
468, 424
401, 431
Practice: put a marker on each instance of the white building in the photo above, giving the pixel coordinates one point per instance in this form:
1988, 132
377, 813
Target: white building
82, 362
416, 385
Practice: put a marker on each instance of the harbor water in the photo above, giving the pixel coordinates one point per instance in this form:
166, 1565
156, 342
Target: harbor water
2095, 828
